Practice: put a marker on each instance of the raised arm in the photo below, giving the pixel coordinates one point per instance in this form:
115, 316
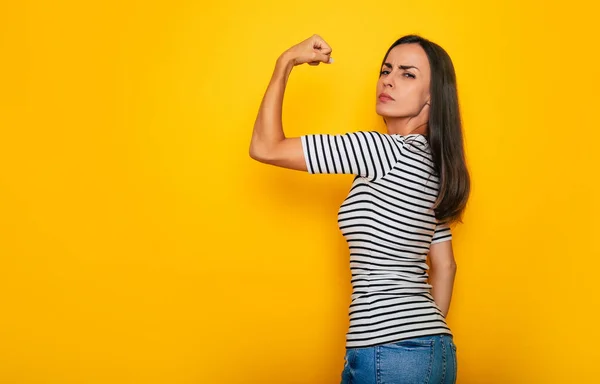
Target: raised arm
269, 144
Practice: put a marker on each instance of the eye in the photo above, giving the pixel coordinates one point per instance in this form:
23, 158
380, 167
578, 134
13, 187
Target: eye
408, 74
384, 72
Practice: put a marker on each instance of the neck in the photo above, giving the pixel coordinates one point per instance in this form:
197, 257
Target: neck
402, 126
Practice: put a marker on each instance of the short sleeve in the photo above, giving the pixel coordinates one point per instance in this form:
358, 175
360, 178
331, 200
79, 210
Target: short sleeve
365, 153
442, 233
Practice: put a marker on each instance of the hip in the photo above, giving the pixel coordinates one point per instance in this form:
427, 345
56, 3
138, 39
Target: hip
427, 359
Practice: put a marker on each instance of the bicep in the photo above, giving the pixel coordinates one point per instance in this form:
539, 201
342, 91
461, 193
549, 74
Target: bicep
287, 153
440, 251
367, 154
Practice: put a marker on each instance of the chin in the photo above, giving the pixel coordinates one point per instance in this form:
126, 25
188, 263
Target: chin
383, 113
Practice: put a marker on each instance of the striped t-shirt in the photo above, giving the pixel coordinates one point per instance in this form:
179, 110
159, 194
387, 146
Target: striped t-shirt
389, 224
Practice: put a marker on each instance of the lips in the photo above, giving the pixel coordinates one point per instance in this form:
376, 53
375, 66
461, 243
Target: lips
385, 97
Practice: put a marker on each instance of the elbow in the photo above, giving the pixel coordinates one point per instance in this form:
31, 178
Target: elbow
452, 266
257, 155
448, 267
254, 151
262, 152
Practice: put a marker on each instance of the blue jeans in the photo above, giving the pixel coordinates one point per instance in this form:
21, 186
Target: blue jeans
419, 360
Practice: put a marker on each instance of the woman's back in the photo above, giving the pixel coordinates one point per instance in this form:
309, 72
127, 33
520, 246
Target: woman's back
389, 224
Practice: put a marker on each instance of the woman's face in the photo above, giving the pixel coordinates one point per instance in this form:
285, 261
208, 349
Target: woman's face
405, 79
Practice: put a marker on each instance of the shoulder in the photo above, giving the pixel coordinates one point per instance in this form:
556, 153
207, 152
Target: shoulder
416, 142
375, 136
415, 139
416, 151
368, 139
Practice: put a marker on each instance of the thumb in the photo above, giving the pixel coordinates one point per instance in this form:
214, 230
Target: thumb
322, 58
325, 58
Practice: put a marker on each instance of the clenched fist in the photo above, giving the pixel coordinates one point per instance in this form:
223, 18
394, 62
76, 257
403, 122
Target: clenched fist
313, 51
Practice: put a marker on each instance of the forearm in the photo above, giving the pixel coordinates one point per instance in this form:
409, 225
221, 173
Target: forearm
442, 282
268, 127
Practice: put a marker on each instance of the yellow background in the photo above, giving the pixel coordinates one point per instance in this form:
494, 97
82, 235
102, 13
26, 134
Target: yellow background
139, 243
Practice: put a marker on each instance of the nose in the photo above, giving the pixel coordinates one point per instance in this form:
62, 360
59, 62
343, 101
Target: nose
387, 83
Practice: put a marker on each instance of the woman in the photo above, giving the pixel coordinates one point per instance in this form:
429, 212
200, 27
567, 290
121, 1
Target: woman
411, 184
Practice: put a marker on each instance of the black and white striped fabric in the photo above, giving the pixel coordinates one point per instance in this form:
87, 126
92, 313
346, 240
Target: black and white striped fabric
388, 222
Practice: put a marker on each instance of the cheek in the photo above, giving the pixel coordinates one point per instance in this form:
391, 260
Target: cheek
406, 103
412, 99
407, 100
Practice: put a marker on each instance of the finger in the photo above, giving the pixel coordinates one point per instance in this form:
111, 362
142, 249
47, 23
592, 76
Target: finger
320, 44
326, 59
320, 57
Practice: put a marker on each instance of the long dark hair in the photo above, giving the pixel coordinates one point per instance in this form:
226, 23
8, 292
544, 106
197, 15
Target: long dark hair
445, 132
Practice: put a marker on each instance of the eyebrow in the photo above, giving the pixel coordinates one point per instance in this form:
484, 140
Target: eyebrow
402, 66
